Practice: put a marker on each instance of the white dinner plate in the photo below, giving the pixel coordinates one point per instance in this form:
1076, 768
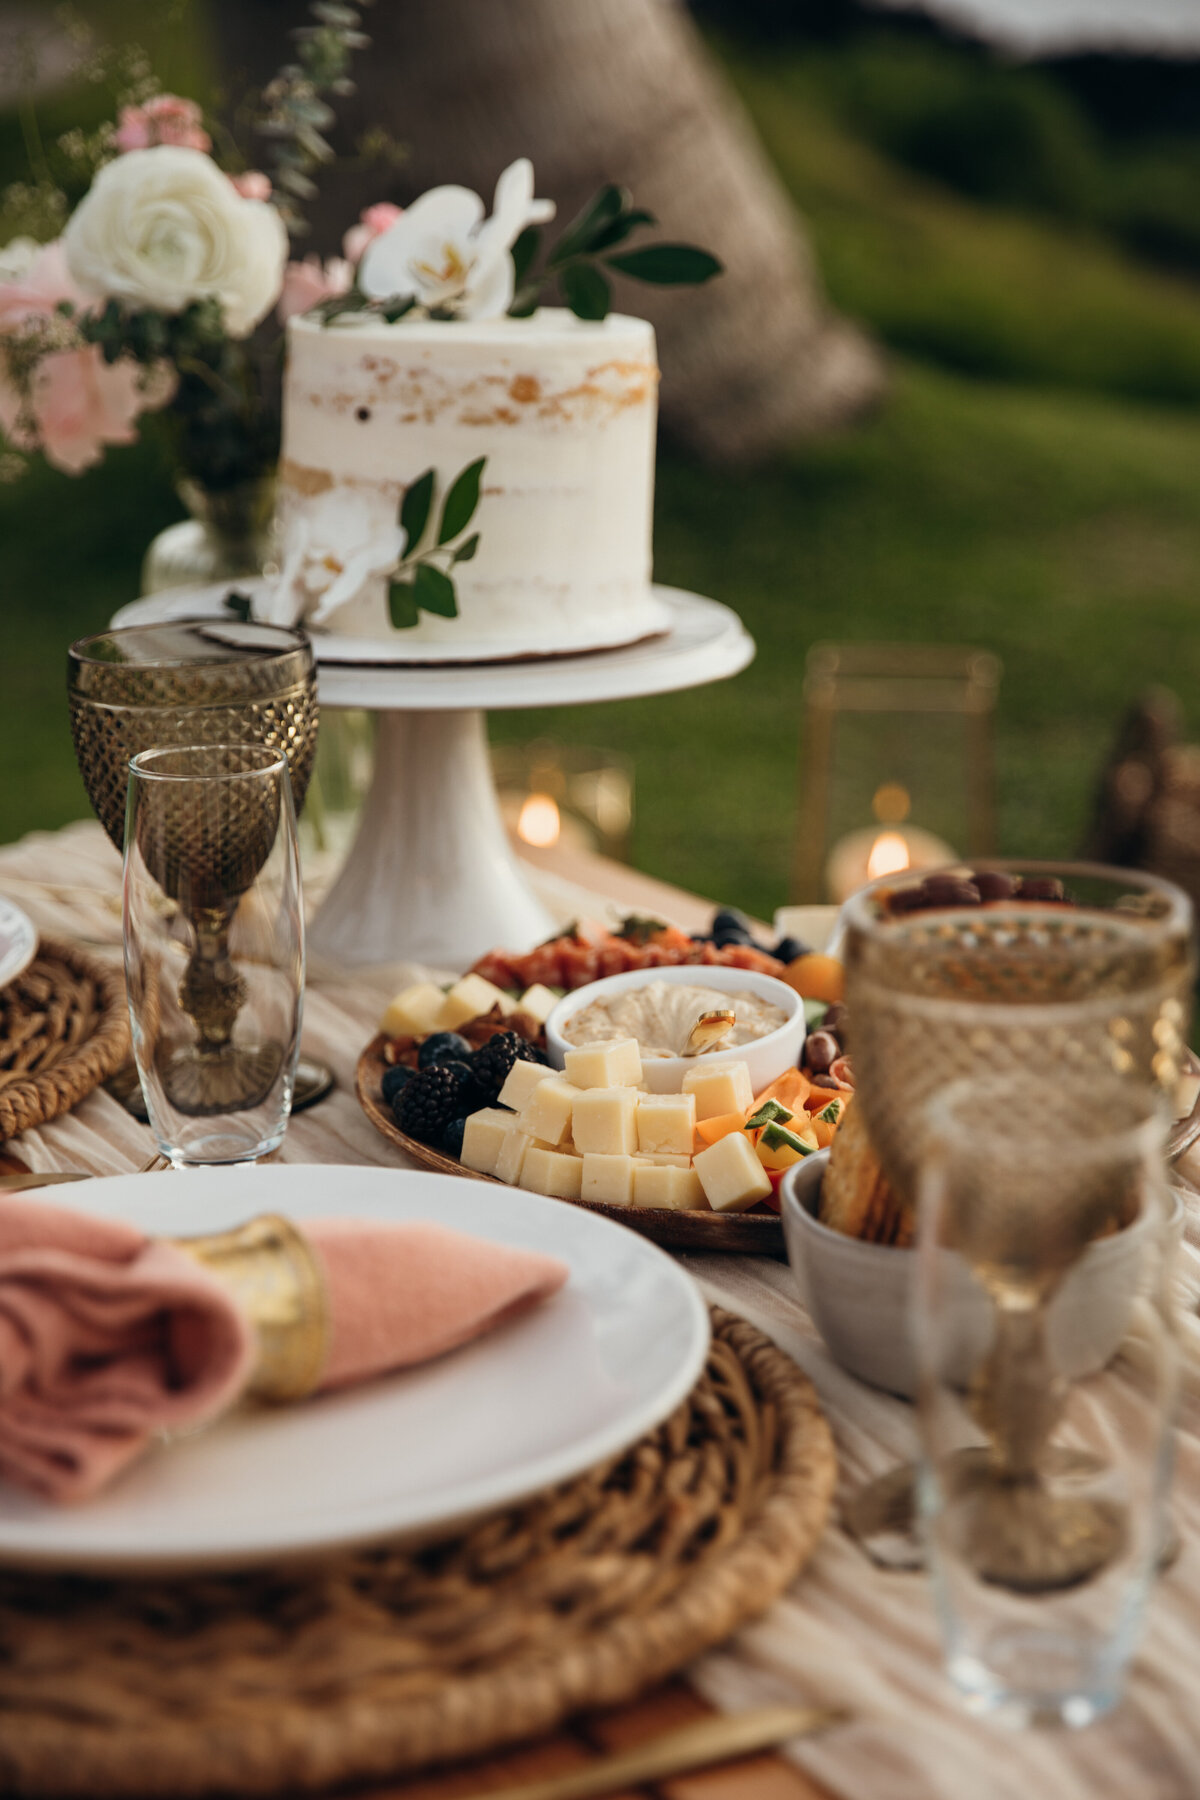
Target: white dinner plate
18, 941
535, 1402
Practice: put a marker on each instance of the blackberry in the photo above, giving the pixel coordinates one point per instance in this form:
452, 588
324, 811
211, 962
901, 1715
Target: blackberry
395, 1080
426, 1106
443, 1046
491, 1064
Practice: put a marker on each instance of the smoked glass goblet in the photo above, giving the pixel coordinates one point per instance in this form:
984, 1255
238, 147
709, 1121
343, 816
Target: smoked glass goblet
214, 947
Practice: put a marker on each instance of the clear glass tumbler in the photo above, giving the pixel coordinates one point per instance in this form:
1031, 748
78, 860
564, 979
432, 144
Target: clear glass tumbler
214, 947
1046, 1350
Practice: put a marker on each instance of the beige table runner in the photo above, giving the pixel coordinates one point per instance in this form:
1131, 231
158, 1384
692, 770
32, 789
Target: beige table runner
848, 1634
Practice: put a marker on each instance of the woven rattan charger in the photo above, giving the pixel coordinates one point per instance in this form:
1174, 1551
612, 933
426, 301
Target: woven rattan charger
63, 1030
387, 1661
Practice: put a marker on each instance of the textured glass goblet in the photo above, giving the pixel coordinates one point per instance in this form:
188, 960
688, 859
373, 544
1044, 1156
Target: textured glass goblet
1043, 1477
214, 947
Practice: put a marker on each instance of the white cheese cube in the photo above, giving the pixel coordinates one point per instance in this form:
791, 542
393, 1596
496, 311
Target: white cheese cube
469, 998
731, 1175
666, 1123
510, 1158
615, 1064
551, 1172
604, 1121
667, 1160
485, 1132
538, 1001
520, 1082
607, 1178
659, 1184
547, 1112
415, 1012
719, 1088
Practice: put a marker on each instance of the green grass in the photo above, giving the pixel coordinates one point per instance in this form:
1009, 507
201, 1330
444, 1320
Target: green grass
1032, 486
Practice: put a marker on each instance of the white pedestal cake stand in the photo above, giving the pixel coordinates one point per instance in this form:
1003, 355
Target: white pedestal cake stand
431, 877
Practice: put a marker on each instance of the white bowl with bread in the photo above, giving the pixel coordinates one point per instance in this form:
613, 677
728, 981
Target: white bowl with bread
766, 1055
858, 1293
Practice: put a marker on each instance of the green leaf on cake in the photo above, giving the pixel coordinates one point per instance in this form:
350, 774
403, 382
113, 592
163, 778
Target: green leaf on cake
619, 230
466, 550
586, 291
667, 265
396, 309
597, 216
239, 605
458, 509
435, 592
414, 509
524, 251
525, 301
402, 605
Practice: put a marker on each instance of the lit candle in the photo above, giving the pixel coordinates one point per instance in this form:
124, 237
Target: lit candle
862, 856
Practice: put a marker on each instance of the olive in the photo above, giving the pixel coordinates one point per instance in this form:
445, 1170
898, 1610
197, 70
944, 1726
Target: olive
826, 1081
835, 1019
994, 884
1041, 887
789, 948
906, 900
443, 1046
821, 1051
395, 1078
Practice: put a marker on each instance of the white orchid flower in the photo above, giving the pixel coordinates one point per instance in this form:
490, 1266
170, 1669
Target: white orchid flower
337, 545
444, 255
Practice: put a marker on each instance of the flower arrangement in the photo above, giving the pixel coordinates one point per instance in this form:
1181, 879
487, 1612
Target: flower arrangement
167, 287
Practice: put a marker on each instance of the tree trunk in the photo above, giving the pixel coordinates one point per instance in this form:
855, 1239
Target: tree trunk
618, 90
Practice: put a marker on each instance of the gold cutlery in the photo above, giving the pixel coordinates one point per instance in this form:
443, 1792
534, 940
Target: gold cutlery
18, 1180
715, 1740
710, 1029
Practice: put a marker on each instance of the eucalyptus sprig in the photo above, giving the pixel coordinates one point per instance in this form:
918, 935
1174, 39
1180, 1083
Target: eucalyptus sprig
590, 244
430, 586
295, 111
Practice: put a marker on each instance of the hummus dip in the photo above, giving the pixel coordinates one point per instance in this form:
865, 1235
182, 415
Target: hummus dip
661, 1014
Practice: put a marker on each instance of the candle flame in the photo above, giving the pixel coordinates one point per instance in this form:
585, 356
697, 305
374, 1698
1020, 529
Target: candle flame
889, 855
539, 823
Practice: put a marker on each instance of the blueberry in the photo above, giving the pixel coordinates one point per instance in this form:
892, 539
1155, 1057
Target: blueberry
443, 1046
452, 1137
730, 934
394, 1079
788, 949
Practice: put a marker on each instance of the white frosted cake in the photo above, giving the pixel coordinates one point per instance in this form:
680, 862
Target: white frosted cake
563, 409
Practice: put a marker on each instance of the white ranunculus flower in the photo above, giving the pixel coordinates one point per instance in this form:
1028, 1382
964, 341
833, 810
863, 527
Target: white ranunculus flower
442, 252
160, 228
336, 544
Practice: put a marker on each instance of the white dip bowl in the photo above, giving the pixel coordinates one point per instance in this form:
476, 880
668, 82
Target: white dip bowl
765, 1057
858, 1295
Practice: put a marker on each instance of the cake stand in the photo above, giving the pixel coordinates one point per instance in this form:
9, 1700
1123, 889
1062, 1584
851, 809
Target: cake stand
431, 876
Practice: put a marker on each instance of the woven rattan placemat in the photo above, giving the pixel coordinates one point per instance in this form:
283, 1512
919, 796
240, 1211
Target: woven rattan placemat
63, 1030
390, 1660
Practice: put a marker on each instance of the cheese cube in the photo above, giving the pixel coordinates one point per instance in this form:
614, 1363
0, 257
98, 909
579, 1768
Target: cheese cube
551, 1172
604, 1121
608, 1179
469, 998
615, 1064
547, 1112
731, 1175
666, 1123
414, 1012
485, 1132
520, 1082
510, 1158
659, 1185
538, 1001
719, 1088
665, 1157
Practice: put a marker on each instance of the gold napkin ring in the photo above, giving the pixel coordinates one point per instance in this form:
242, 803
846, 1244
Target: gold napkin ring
276, 1278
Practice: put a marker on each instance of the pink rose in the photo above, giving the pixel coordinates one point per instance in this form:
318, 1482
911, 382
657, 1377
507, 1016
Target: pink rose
372, 223
79, 403
252, 185
38, 288
166, 119
307, 283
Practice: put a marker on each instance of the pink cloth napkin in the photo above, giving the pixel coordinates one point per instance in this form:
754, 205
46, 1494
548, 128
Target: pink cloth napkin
107, 1336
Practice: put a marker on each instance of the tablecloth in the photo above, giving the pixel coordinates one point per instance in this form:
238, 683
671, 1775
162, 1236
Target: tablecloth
847, 1634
